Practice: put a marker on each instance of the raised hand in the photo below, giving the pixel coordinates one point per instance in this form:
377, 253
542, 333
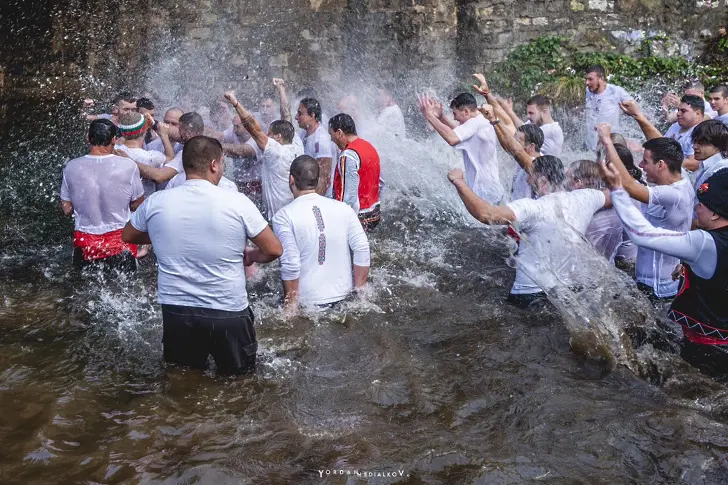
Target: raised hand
230, 97
427, 106
631, 108
610, 174
487, 111
279, 83
482, 87
163, 129
604, 130
671, 100
456, 174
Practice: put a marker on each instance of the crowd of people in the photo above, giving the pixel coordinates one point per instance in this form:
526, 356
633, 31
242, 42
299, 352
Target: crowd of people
309, 195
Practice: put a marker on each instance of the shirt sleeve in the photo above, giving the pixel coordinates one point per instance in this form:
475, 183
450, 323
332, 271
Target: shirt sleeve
176, 163
65, 190
358, 241
623, 95
323, 148
467, 130
291, 258
258, 151
664, 196
349, 168
157, 159
137, 189
525, 210
253, 220
139, 217
697, 248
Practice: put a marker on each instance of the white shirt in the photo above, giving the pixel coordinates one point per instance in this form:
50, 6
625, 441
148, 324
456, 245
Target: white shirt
152, 158
318, 144
723, 118
158, 146
181, 178
605, 233
392, 120
603, 108
553, 139
709, 110
685, 139
276, 162
550, 226
521, 188
670, 207
478, 143
318, 235
101, 189
199, 249
708, 167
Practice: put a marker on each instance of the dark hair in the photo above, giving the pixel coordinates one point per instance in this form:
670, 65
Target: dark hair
598, 69
305, 172
668, 150
532, 134
145, 103
694, 85
313, 108
712, 132
695, 102
343, 122
124, 96
625, 154
101, 133
192, 122
722, 89
539, 100
283, 128
550, 168
198, 152
464, 101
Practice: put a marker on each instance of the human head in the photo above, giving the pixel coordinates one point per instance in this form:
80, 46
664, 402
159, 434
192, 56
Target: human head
239, 130
309, 113
663, 157
625, 154
304, 174
145, 106
190, 125
341, 127
690, 111
349, 105
124, 103
536, 106
464, 107
202, 157
719, 99
132, 126
547, 175
171, 117
101, 133
712, 210
282, 131
710, 137
584, 174
695, 88
595, 77
531, 137
268, 109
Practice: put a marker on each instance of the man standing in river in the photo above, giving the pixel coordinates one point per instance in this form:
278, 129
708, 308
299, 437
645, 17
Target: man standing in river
602, 103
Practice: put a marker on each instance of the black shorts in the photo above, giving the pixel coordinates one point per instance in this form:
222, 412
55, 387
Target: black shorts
190, 334
711, 360
122, 262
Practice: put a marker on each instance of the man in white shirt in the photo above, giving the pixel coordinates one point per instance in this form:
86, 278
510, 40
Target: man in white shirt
689, 115
275, 151
100, 189
246, 170
318, 235
710, 142
667, 204
390, 116
538, 109
719, 102
551, 225
171, 119
602, 103
671, 102
472, 134
199, 232
316, 142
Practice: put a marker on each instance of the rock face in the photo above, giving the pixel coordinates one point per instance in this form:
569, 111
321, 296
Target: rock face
333, 44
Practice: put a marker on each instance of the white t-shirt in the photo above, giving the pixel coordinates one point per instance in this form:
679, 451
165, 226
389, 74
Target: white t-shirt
392, 120
152, 158
158, 146
276, 162
318, 235
723, 118
709, 110
521, 188
200, 249
101, 189
318, 144
670, 207
181, 178
553, 139
478, 143
605, 233
549, 226
603, 108
685, 139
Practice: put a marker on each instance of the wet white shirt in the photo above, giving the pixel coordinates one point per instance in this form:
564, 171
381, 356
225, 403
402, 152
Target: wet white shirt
603, 108
605, 233
685, 139
478, 143
549, 226
101, 189
152, 158
158, 146
200, 249
318, 144
670, 207
180, 178
392, 120
553, 139
276, 162
318, 235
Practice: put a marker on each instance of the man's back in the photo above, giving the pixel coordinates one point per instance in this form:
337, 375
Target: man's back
101, 189
478, 143
276, 161
318, 235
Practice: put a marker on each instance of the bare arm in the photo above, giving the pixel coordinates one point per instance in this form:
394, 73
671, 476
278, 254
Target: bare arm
243, 150
268, 248
508, 141
477, 207
283, 99
290, 294
690, 163
67, 207
361, 273
248, 120
136, 203
433, 114
168, 147
132, 235
508, 108
324, 175
635, 189
158, 175
632, 109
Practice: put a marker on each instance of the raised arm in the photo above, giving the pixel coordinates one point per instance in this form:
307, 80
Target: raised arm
248, 120
635, 189
492, 100
632, 109
163, 131
243, 150
477, 207
280, 85
429, 109
507, 140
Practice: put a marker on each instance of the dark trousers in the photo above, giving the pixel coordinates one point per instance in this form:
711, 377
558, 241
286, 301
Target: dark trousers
711, 360
370, 220
122, 262
190, 334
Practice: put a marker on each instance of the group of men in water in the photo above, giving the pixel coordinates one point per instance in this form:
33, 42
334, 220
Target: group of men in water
319, 190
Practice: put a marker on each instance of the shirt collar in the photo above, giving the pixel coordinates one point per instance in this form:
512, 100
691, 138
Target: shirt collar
712, 160
197, 182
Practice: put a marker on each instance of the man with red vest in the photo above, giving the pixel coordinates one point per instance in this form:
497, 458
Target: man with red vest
356, 178
701, 305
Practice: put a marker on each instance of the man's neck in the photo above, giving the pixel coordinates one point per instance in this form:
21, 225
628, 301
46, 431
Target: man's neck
136, 143
299, 193
601, 89
101, 151
193, 176
670, 178
723, 111
311, 129
350, 139
546, 118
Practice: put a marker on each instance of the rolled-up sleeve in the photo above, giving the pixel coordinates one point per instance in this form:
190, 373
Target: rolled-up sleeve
358, 242
291, 258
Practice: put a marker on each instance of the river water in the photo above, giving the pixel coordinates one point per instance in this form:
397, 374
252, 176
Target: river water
431, 379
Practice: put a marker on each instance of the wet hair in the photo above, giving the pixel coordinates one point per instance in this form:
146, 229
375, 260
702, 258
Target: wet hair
305, 172
198, 152
712, 132
599, 69
464, 101
124, 96
721, 88
343, 122
625, 154
618, 138
539, 100
668, 150
587, 172
695, 102
192, 122
532, 134
101, 133
697, 85
145, 103
551, 168
131, 119
313, 108
283, 128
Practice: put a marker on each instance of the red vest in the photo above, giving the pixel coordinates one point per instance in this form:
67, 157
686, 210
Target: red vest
368, 174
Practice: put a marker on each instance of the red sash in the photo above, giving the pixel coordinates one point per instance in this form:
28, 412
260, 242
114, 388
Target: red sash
98, 246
